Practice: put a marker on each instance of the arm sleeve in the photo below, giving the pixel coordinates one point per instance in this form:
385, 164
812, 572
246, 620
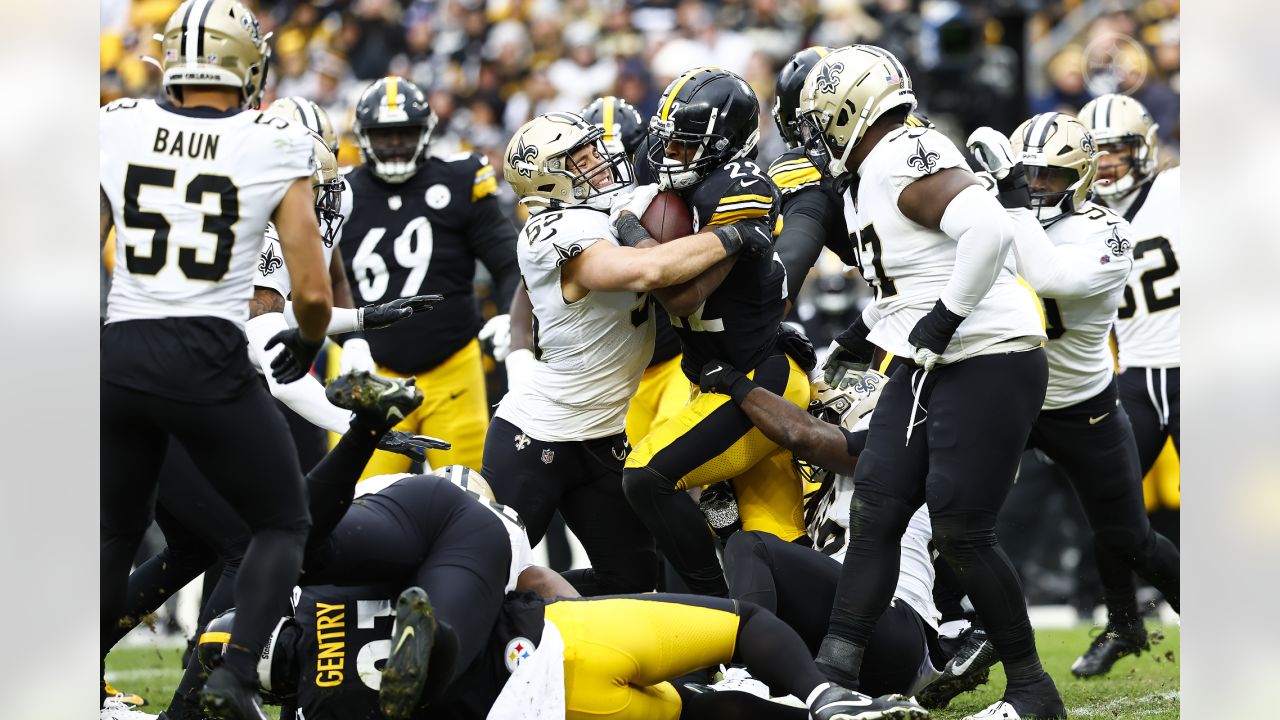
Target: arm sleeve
983, 235
804, 231
1067, 271
493, 239
304, 396
341, 320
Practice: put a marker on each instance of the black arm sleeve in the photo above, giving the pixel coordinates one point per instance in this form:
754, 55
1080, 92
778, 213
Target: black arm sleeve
493, 239
331, 485
806, 227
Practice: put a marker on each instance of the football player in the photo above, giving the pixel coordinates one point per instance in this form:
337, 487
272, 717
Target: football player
173, 357
952, 422
799, 583
701, 144
421, 222
557, 441
1148, 329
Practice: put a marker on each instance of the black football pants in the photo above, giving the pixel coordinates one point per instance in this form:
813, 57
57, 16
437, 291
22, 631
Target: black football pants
973, 421
583, 480
243, 447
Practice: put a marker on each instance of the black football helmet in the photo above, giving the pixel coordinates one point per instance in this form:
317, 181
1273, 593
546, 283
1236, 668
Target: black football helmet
278, 669
786, 95
622, 124
706, 118
393, 125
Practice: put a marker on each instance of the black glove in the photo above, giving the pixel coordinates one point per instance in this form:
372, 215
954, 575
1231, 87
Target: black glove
376, 317
797, 347
1012, 191
750, 237
934, 330
411, 446
723, 378
296, 358
853, 352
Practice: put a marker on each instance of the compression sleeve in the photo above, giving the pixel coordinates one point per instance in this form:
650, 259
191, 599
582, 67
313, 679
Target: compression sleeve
1063, 271
804, 232
983, 235
341, 320
304, 396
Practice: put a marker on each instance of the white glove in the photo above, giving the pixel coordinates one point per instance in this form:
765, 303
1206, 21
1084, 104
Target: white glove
992, 150
520, 365
635, 201
925, 358
356, 357
498, 329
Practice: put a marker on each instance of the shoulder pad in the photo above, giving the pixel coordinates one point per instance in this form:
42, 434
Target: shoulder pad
793, 171
473, 170
740, 190
917, 152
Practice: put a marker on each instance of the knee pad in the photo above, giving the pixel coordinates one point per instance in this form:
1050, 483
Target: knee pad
957, 536
876, 516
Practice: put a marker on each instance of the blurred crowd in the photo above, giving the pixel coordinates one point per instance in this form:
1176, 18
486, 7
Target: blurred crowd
490, 65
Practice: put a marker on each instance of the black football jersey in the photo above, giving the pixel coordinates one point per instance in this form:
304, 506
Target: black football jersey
346, 639
794, 174
424, 236
739, 322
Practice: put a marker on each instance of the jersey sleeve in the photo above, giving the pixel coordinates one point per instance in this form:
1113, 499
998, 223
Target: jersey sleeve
793, 172
921, 152
484, 182
285, 151
272, 272
1075, 270
738, 191
550, 239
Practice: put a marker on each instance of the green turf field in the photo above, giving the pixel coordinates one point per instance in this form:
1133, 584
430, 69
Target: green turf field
1144, 687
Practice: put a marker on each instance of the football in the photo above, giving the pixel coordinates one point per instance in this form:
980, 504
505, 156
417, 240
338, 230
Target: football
667, 217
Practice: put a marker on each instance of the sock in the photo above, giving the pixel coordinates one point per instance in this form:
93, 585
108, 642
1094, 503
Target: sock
1024, 671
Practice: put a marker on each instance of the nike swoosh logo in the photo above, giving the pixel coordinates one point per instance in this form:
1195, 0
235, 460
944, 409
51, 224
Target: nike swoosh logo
1096, 420
863, 702
408, 633
746, 183
962, 668
394, 412
713, 372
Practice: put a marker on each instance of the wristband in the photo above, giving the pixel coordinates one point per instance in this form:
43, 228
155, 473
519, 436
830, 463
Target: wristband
1012, 191
730, 237
629, 230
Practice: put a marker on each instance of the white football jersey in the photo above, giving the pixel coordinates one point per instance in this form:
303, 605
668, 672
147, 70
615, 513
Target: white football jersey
908, 265
829, 530
521, 551
1080, 361
191, 192
1149, 324
272, 272
592, 352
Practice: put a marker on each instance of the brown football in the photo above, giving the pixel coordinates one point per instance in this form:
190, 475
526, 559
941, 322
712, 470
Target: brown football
668, 217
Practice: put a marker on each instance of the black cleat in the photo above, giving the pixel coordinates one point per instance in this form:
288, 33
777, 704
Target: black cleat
837, 703
966, 670
378, 402
1038, 701
1115, 642
224, 697
412, 637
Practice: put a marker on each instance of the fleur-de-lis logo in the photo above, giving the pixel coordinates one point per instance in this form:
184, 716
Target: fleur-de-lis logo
1116, 244
829, 77
866, 385
923, 160
269, 262
522, 158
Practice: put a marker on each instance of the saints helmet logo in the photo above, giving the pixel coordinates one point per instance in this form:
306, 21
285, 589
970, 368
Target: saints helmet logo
1116, 244
522, 158
829, 77
923, 160
866, 385
269, 262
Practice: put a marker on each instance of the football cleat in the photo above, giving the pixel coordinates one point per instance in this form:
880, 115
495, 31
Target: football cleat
837, 703
225, 697
116, 708
412, 637
966, 670
1115, 642
1037, 701
736, 679
132, 699
378, 402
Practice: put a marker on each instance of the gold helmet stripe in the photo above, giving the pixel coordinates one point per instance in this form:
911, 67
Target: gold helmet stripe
675, 89
214, 637
606, 117
393, 93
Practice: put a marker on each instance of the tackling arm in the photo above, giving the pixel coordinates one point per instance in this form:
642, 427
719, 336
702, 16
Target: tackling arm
1062, 271
807, 437
295, 221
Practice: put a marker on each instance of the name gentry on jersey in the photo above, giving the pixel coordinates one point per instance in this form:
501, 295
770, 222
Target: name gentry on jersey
331, 642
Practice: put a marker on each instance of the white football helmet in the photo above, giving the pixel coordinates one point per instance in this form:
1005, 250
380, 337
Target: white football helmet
1120, 120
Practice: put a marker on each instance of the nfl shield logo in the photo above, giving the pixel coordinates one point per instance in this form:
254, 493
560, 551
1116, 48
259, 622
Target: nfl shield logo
547, 456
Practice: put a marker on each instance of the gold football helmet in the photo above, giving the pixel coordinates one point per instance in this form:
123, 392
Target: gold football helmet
540, 167
843, 95
215, 42
309, 115
326, 182
1061, 161
467, 479
845, 405
1120, 120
